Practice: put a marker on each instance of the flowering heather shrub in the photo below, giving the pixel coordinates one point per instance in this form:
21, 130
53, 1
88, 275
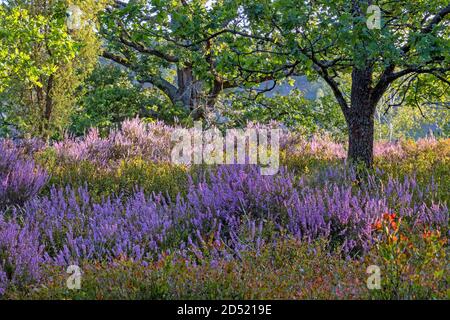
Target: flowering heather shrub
319, 146
20, 255
230, 211
400, 150
286, 136
152, 143
324, 147
427, 160
20, 178
29, 147
74, 228
134, 139
115, 200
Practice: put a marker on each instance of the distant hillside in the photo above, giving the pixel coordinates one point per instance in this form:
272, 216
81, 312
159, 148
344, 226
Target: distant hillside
311, 89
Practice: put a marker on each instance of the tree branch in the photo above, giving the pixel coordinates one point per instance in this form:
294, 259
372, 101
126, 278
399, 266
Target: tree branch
116, 58
169, 89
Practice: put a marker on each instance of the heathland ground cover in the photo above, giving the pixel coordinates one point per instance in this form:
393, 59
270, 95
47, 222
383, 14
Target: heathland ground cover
140, 227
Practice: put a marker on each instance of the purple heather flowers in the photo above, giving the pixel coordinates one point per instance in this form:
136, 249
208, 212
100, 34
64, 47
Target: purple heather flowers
20, 178
225, 210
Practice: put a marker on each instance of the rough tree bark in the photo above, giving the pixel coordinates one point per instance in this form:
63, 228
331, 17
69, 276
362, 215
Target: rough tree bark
360, 118
190, 92
360, 138
48, 104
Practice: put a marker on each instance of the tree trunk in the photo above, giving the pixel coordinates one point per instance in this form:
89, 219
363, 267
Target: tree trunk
360, 138
360, 118
189, 92
49, 101
214, 94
